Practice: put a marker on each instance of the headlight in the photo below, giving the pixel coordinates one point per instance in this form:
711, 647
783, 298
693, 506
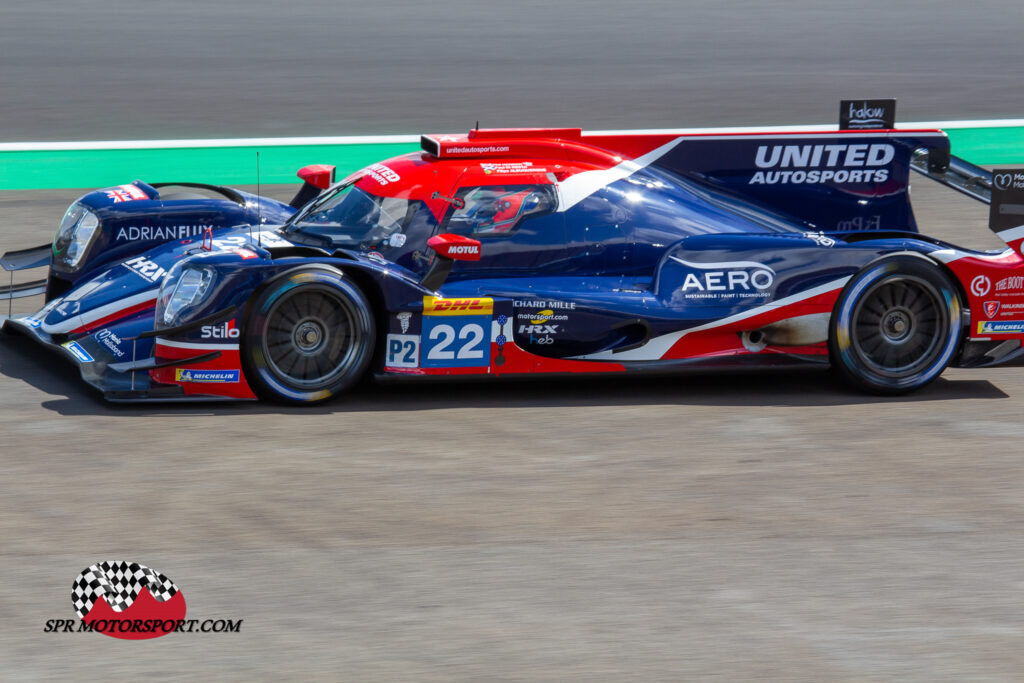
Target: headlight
178, 292
77, 230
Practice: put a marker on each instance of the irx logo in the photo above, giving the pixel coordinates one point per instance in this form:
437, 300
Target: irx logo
224, 331
144, 268
537, 329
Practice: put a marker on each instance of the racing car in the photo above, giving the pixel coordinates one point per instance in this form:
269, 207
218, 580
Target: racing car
511, 251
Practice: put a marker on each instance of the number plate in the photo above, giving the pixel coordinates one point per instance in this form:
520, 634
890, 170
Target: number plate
403, 351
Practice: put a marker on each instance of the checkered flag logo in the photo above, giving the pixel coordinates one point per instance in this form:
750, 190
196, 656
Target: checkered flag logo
119, 583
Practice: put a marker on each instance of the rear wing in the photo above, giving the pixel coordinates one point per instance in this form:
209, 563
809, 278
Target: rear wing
1002, 190
954, 172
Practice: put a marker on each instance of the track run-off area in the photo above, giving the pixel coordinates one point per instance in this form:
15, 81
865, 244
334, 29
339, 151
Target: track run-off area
768, 526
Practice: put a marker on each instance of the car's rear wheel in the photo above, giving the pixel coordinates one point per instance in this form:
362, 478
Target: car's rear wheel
896, 326
309, 336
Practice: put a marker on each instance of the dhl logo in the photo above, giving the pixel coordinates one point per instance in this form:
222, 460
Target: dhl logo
433, 305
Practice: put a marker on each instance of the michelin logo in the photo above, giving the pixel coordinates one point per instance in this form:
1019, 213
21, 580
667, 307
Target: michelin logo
1001, 327
219, 376
838, 163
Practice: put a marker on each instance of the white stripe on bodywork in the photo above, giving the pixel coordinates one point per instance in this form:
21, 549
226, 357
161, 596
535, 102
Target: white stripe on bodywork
202, 346
1011, 234
950, 255
83, 319
576, 188
656, 348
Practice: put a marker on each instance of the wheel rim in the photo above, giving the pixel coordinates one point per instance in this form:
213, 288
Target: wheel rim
312, 337
899, 327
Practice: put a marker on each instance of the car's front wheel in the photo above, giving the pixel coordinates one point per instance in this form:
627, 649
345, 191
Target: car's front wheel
309, 336
896, 325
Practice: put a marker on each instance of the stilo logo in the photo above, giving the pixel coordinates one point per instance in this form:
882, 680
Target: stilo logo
224, 331
127, 600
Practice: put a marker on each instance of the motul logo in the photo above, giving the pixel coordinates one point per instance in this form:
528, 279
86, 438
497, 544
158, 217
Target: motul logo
225, 331
455, 247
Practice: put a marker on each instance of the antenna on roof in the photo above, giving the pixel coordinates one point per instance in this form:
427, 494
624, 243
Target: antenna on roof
478, 124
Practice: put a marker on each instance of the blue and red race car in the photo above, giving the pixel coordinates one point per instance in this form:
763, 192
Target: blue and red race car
504, 252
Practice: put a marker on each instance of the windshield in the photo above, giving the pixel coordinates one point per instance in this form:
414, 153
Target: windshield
351, 217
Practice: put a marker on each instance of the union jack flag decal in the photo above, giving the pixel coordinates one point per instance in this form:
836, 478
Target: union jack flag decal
125, 193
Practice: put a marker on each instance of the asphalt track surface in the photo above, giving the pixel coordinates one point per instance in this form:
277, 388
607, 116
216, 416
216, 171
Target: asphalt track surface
765, 527
749, 527
118, 70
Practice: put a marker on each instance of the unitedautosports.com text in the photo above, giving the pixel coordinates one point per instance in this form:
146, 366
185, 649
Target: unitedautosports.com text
144, 626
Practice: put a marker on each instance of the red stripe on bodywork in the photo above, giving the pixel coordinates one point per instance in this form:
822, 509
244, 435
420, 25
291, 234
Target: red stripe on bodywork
117, 315
516, 362
229, 360
725, 339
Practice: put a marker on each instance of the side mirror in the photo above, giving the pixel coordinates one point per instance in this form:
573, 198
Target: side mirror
318, 175
449, 249
316, 178
455, 247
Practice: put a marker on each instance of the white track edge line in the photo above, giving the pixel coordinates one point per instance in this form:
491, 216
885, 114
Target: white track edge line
408, 139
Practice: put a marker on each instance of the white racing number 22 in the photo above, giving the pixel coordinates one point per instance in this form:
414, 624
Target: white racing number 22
455, 341
471, 347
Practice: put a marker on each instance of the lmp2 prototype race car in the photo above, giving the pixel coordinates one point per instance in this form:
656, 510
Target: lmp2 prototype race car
504, 252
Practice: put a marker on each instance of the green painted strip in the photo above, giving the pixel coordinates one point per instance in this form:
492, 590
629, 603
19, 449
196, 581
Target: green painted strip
221, 165
91, 168
988, 146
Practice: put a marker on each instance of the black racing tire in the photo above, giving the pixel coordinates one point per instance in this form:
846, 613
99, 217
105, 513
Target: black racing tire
896, 326
309, 335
